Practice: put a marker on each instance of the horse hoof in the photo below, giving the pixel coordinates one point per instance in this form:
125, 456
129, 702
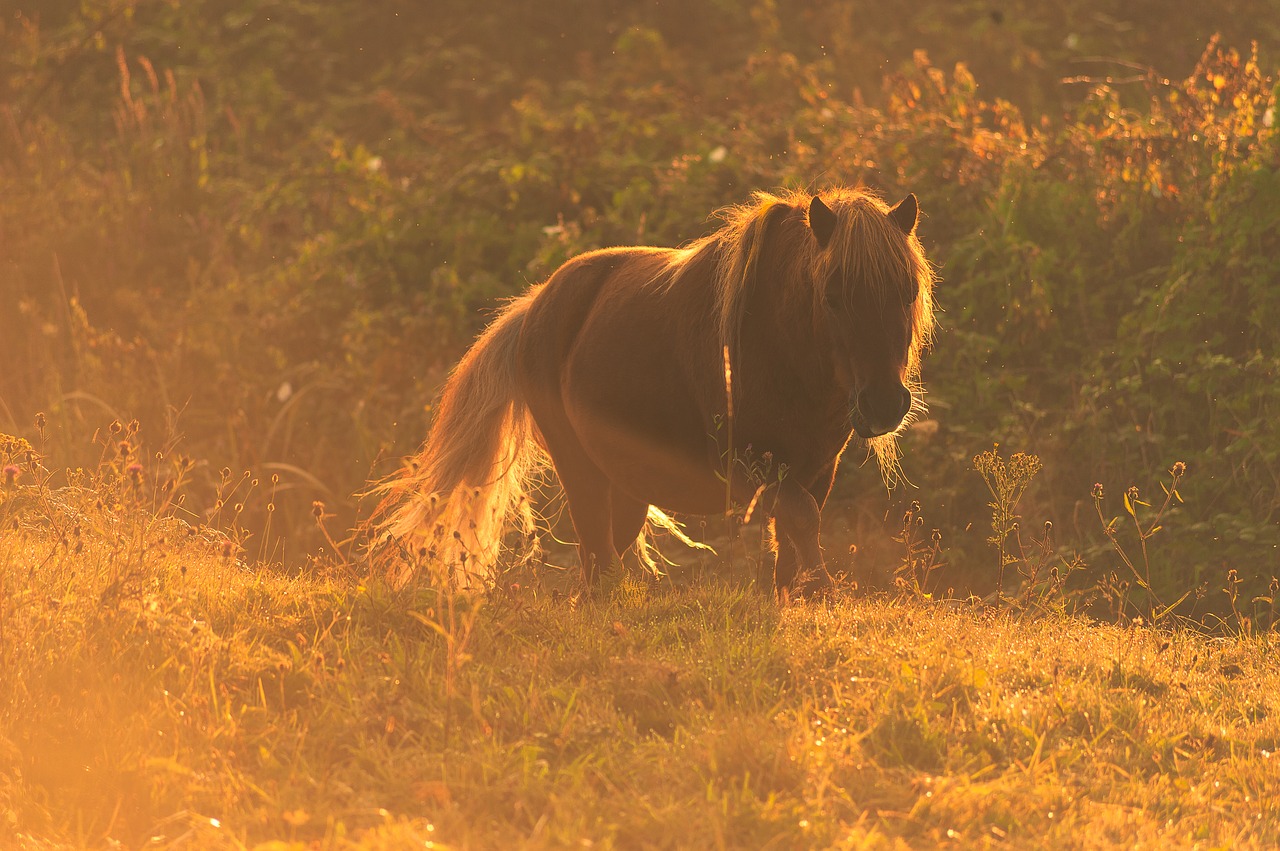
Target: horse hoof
818, 586
812, 586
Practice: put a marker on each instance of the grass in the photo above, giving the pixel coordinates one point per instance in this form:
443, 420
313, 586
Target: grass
156, 692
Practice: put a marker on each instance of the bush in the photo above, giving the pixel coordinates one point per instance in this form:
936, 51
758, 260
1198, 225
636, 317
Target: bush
267, 230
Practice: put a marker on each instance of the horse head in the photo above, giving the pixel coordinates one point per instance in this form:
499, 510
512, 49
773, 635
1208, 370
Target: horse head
873, 304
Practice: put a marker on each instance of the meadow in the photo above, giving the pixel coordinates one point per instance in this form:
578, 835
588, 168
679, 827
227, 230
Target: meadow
241, 244
159, 692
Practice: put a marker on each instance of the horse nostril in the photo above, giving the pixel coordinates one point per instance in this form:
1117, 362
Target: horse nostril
882, 409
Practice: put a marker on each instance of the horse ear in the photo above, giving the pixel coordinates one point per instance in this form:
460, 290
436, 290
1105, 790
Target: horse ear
906, 214
821, 221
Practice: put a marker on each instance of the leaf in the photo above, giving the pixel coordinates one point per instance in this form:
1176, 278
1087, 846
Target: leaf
1128, 506
1169, 608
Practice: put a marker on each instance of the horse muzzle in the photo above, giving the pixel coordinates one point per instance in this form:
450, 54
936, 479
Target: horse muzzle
879, 410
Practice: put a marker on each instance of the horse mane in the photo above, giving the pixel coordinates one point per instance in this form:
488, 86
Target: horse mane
866, 243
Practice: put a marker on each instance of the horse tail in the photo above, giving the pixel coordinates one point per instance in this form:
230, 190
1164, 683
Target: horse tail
449, 506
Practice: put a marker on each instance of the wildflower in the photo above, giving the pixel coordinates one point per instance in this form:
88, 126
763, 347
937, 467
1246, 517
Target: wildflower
1179, 469
1097, 490
11, 474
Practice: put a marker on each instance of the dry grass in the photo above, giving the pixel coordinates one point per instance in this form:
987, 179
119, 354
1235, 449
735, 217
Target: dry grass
155, 692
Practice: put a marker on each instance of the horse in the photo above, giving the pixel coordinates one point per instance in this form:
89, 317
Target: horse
733, 370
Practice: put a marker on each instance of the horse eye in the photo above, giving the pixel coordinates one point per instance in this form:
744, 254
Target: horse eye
832, 295
834, 291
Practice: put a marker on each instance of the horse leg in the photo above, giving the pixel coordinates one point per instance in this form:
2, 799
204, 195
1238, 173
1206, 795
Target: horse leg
628, 519
784, 568
587, 491
778, 567
799, 521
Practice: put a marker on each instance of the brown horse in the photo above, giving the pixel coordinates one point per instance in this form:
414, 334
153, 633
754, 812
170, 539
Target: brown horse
734, 369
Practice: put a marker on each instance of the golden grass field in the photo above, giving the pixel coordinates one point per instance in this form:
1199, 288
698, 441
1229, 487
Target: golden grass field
155, 691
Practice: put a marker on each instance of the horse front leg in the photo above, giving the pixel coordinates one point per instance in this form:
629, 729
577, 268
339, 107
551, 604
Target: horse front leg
799, 565
778, 563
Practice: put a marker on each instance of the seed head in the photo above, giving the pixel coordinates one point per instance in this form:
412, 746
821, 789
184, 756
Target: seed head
1179, 469
317, 509
1097, 490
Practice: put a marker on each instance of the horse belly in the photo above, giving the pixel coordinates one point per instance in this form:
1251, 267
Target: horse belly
631, 407
659, 471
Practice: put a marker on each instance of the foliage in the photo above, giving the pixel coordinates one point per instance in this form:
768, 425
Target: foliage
1006, 481
265, 230
1143, 530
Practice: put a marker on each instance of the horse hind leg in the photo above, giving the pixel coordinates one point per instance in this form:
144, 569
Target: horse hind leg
628, 519
590, 496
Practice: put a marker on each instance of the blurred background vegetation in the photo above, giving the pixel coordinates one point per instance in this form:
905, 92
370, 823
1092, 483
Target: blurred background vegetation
266, 229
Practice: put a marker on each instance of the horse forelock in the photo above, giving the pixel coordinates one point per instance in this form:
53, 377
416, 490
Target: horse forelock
865, 243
